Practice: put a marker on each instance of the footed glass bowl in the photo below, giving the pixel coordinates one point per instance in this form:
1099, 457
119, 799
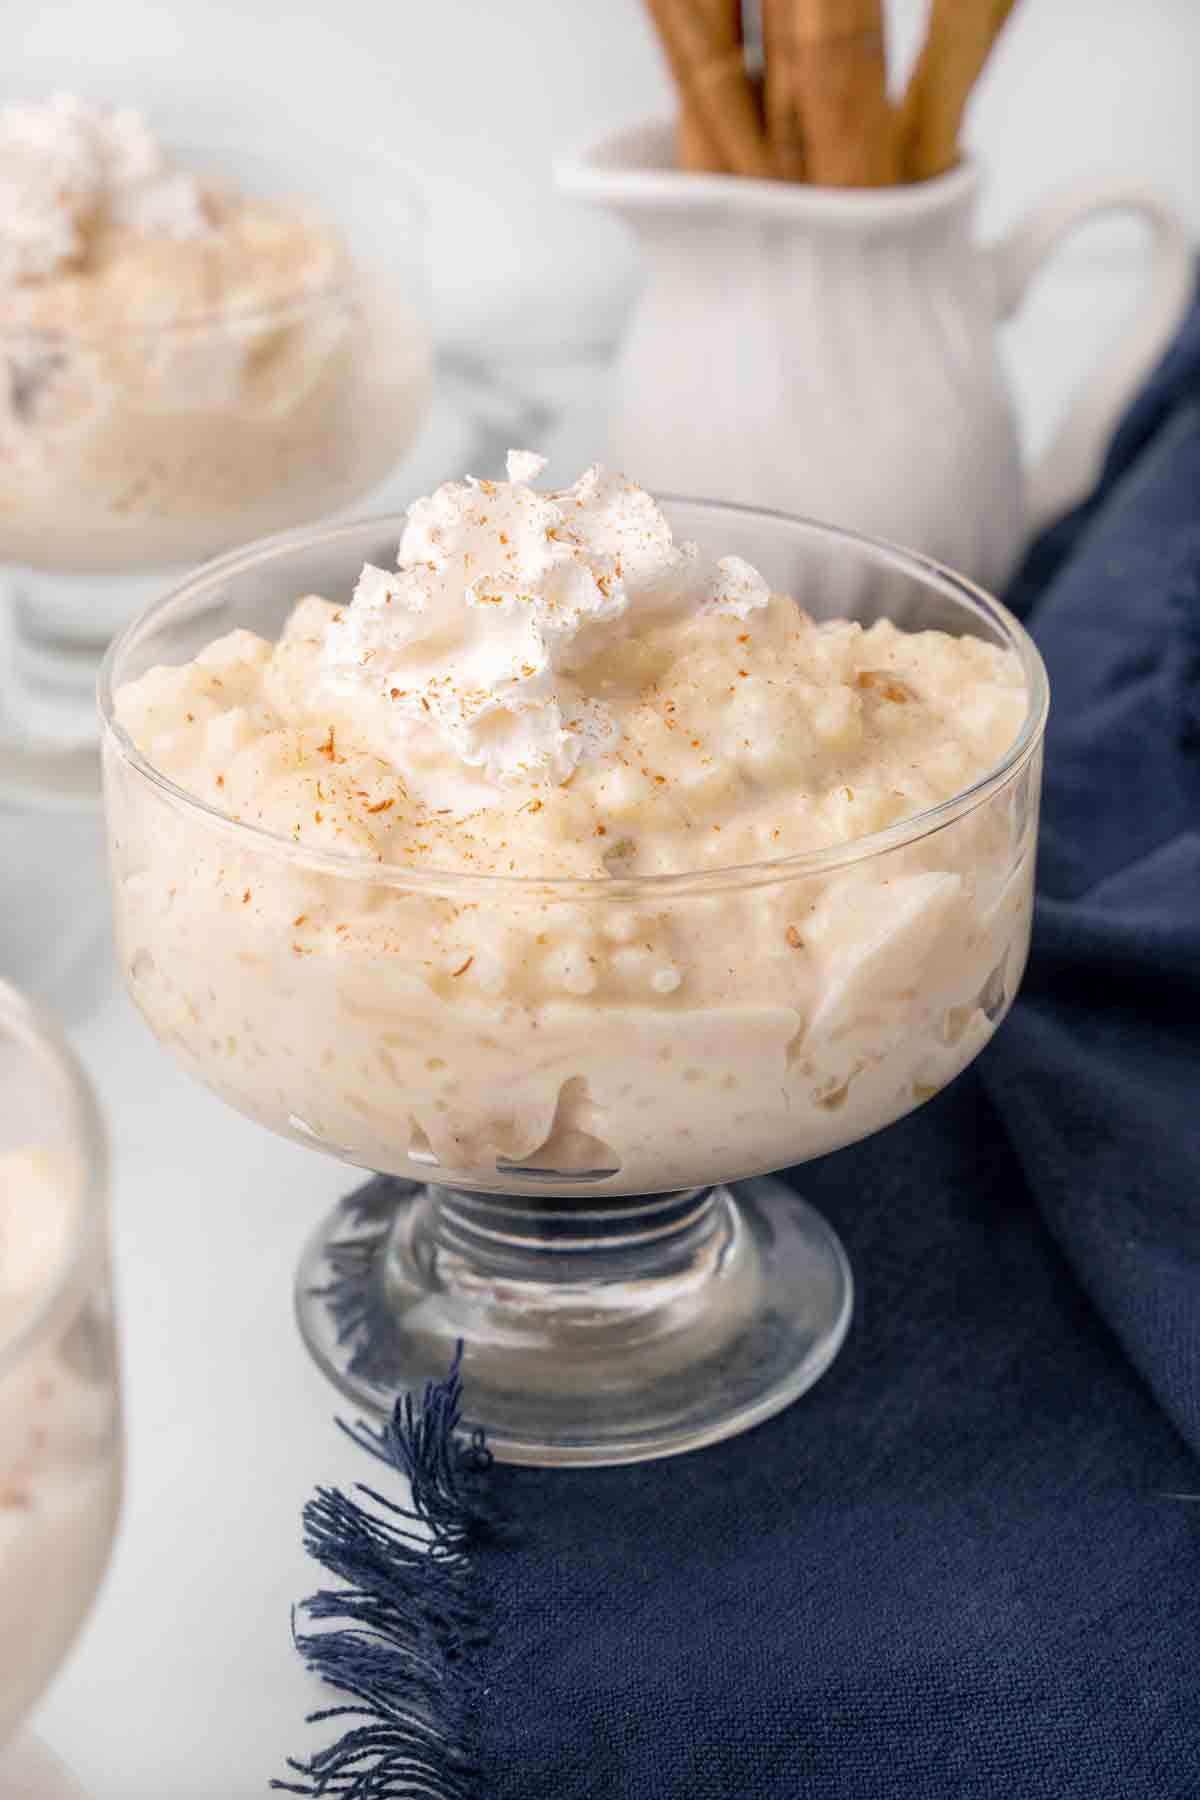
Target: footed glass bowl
134, 446
574, 1091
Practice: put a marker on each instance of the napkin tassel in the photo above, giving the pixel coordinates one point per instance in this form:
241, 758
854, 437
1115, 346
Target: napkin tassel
406, 1649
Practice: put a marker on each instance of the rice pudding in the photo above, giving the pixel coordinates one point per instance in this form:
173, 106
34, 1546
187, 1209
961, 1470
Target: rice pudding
540, 852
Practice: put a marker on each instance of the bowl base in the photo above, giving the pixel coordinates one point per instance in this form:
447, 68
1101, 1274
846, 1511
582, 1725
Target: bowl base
589, 1336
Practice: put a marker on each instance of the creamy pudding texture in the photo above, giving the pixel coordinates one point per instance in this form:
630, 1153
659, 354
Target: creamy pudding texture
59, 1464
549, 686
187, 366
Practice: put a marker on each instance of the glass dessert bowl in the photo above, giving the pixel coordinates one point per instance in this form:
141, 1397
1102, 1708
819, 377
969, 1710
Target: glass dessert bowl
60, 1433
574, 1088
201, 345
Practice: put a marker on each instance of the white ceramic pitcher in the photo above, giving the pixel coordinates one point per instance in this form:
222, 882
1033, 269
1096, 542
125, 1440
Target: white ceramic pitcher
833, 351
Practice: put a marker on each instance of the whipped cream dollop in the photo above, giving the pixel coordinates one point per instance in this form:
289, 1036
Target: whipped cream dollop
67, 166
493, 633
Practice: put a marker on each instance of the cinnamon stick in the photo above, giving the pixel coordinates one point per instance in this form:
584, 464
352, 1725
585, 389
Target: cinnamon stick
960, 37
702, 43
694, 149
831, 111
781, 94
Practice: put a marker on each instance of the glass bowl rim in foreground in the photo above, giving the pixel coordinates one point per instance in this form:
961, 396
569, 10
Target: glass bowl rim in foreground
26, 1024
618, 889
406, 197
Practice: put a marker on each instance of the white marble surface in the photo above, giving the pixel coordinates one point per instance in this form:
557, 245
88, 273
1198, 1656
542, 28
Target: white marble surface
184, 1684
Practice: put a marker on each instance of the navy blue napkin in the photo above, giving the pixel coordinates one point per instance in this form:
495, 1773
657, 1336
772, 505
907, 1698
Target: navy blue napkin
967, 1564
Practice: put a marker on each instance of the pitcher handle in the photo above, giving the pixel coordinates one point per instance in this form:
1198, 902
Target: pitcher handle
1070, 465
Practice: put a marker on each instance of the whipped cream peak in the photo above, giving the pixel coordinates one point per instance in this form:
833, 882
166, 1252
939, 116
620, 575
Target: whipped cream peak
524, 466
503, 599
67, 166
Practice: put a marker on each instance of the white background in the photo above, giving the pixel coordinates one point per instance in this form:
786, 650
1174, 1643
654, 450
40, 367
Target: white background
184, 1686
478, 95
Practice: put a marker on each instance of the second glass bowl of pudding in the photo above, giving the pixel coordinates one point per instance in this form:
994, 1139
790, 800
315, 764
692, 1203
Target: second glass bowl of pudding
60, 1427
576, 1076
173, 397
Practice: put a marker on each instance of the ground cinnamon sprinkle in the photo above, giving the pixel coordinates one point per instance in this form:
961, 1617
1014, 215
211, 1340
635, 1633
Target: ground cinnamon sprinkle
794, 938
462, 968
888, 687
299, 919
246, 898
327, 748
381, 806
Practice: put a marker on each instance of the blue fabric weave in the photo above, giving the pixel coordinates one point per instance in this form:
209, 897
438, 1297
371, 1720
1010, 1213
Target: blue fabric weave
968, 1563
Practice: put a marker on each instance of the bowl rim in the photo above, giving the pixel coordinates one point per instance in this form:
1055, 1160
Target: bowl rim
624, 889
28, 1025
